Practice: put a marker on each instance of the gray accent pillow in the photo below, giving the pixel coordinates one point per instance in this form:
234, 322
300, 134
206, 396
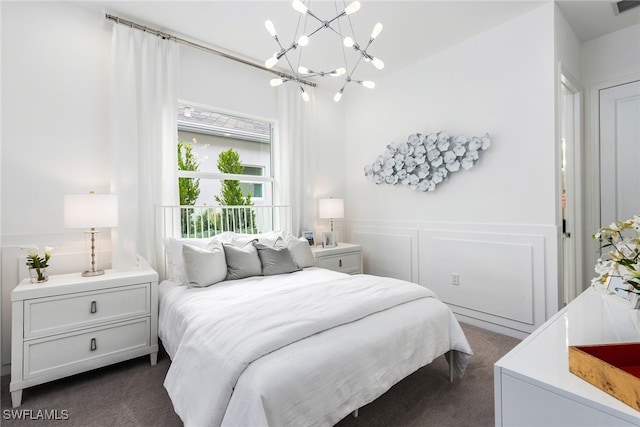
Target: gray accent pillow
204, 267
242, 261
300, 251
275, 260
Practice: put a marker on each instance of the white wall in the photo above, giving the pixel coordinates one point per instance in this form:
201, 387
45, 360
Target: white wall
494, 224
567, 45
55, 80
55, 103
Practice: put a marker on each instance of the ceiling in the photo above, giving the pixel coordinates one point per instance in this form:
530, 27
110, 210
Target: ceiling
412, 29
593, 19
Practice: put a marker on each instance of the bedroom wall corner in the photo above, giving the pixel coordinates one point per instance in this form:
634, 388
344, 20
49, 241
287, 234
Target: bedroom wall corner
501, 81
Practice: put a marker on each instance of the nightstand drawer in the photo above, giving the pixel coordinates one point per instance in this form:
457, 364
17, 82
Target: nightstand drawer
65, 313
346, 263
69, 351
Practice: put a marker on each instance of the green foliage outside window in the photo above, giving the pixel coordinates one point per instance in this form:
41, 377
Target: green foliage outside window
189, 187
241, 220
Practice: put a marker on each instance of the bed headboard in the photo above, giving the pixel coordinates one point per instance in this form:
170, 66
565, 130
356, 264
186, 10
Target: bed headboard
208, 221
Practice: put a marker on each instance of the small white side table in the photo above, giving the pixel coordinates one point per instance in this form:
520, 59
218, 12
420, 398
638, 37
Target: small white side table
72, 324
345, 258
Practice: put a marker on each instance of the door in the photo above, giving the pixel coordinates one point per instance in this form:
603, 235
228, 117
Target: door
570, 110
619, 152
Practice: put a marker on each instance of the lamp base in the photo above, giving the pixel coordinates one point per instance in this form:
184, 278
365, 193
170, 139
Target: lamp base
91, 273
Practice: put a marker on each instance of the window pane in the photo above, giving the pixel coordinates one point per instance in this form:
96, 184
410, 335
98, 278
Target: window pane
207, 148
207, 134
255, 189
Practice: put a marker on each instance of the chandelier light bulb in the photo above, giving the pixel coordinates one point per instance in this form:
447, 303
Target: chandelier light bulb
299, 6
377, 62
269, 63
338, 72
305, 96
270, 27
338, 95
368, 84
276, 82
303, 40
303, 70
376, 30
352, 8
348, 42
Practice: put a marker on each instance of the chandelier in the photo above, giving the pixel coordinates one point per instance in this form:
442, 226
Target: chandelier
347, 41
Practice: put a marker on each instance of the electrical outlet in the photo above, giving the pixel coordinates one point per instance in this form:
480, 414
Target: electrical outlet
455, 279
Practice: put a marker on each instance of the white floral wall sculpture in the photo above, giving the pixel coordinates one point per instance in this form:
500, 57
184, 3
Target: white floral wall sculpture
425, 161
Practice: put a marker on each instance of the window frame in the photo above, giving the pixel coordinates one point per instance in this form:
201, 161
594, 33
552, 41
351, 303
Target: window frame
250, 179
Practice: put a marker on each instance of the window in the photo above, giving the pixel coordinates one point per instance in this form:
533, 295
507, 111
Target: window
203, 134
255, 189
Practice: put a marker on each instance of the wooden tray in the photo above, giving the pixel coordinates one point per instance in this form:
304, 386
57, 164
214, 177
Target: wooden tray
613, 368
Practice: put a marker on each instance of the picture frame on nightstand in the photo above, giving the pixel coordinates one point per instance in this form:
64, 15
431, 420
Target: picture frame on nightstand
327, 239
617, 286
310, 236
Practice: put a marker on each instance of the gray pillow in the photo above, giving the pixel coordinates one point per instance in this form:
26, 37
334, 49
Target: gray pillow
275, 260
242, 261
204, 267
300, 251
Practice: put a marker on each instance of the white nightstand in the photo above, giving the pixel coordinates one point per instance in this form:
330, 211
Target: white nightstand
346, 258
71, 324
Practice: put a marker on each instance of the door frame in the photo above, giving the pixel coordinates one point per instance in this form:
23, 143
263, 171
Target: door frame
570, 260
592, 177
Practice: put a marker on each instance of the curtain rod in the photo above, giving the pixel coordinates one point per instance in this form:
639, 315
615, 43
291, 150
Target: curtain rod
168, 36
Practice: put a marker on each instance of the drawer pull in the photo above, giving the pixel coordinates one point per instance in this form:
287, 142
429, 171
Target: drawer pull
94, 344
340, 263
94, 307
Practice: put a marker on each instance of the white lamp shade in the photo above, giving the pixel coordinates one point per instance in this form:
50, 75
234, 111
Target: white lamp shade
331, 208
90, 210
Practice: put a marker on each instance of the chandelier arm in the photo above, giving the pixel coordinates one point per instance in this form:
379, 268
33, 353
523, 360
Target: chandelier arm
291, 66
338, 16
355, 66
314, 16
315, 31
339, 33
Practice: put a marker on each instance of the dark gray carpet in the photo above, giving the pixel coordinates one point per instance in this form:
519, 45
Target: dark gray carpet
131, 394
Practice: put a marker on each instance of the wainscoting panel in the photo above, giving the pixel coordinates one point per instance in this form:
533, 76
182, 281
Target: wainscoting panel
388, 255
500, 277
507, 274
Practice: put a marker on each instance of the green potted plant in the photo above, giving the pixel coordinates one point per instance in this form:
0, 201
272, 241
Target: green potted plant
38, 264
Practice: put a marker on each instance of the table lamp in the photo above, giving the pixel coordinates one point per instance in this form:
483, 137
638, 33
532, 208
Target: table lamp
331, 208
91, 211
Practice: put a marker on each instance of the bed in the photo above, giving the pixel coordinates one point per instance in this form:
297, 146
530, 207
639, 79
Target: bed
299, 345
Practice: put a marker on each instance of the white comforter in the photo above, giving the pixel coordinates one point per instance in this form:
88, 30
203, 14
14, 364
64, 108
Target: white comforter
299, 349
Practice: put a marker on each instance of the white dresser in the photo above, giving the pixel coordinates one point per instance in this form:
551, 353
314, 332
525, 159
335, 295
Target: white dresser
345, 257
533, 385
71, 324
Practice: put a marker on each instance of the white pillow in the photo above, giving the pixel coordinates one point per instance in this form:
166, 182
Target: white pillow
175, 262
269, 238
300, 251
204, 267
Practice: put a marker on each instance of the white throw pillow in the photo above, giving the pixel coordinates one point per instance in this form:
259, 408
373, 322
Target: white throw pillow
175, 261
269, 238
204, 267
300, 251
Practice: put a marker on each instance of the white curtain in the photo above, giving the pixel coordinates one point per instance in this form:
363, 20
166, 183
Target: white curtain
294, 153
143, 140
